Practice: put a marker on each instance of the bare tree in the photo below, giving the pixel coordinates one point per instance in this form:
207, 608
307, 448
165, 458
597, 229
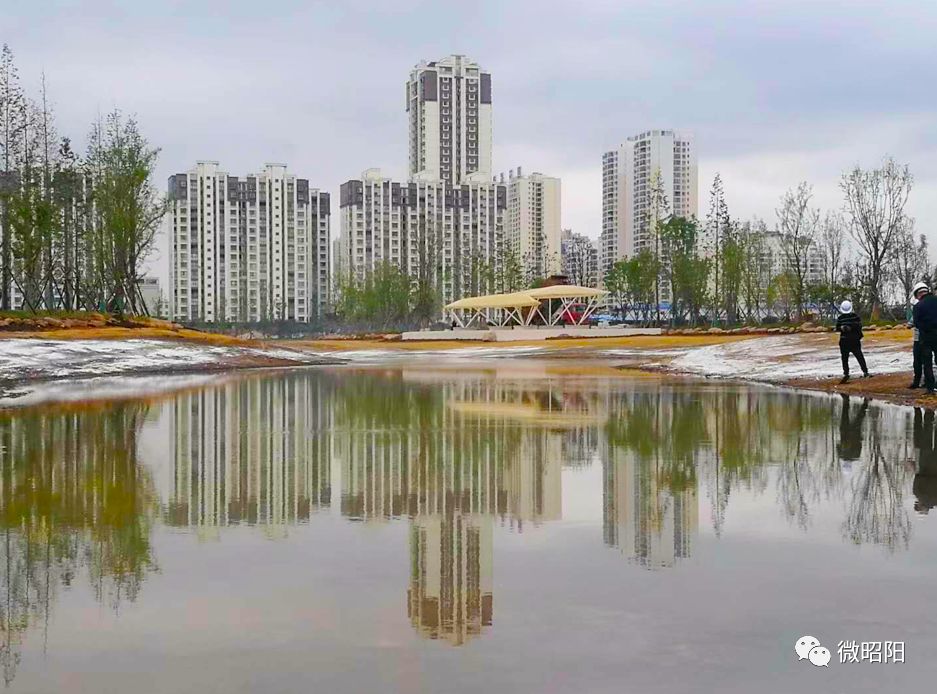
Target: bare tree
756, 270
831, 242
11, 127
128, 209
909, 261
579, 260
874, 202
718, 227
798, 224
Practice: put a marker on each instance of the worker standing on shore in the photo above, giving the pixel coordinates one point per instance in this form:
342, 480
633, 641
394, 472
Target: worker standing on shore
925, 320
916, 349
849, 327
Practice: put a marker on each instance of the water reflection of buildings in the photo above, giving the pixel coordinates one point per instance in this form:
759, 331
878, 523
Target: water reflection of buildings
477, 445
452, 457
653, 525
450, 593
254, 451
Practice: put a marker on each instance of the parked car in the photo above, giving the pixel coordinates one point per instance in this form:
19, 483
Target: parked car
573, 314
605, 318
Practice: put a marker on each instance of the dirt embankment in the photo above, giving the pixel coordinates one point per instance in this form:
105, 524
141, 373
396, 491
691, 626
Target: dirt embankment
100, 326
890, 387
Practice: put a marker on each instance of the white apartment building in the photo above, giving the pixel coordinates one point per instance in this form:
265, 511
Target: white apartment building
774, 257
152, 296
628, 174
532, 226
449, 111
422, 226
580, 259
247, 249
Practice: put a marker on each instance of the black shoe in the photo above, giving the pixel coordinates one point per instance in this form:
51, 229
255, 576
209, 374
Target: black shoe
930, 391
866, 375
845, 379
914, 386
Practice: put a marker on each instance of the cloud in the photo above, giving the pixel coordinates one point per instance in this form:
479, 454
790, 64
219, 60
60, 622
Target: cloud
774, 92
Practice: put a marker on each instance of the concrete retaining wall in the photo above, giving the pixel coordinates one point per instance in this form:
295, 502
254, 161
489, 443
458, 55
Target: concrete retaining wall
525, 333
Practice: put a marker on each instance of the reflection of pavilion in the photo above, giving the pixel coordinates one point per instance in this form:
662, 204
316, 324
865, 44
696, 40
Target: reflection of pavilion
481, 449
652, 525
450, 593
486, 447
251, 451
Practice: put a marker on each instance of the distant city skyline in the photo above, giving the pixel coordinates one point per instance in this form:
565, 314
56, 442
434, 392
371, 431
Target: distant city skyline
744, 79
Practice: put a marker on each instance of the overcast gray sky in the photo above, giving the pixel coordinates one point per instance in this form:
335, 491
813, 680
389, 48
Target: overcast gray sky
775, 91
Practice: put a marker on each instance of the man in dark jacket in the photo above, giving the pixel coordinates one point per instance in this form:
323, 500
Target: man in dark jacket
919, 290
925, 320
849, 327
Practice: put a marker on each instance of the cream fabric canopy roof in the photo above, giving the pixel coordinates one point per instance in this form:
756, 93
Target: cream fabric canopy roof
515, 300
565, 291
528, 297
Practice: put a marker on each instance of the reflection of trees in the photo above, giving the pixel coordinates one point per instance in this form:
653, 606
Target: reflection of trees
732, 437
73, 495
875, 509
650, 508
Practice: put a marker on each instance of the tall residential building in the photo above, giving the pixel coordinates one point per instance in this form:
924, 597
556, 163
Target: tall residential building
532, 226
774, 257
580, 259
427, 227
628, 177
247, 249
449, 109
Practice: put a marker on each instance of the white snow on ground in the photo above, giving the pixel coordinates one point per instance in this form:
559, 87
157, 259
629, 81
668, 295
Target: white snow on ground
775, 359
104, 388
42, 359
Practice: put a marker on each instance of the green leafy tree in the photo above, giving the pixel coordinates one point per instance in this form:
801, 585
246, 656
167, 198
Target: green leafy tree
381, 297
782, 295
679, 241
733, 259
128, 210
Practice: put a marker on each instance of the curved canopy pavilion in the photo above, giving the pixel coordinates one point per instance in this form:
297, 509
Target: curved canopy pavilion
492, 309
554, 305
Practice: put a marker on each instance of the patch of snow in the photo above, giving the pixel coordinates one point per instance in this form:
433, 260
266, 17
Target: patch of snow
775, 359
103, 388
22, 360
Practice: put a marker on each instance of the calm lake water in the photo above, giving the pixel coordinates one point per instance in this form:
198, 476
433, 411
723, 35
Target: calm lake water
512, 527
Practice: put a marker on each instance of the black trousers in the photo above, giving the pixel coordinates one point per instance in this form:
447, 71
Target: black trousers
927, 357
918, 352
847, 348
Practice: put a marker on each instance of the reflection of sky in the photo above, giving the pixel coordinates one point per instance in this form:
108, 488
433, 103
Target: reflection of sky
325, 608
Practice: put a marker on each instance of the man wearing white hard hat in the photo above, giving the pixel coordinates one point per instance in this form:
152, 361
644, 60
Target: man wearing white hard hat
849, 327
919, 290
924, 316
